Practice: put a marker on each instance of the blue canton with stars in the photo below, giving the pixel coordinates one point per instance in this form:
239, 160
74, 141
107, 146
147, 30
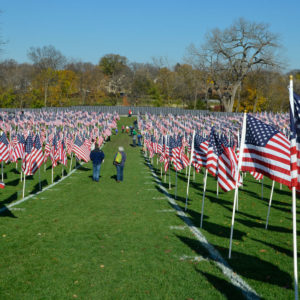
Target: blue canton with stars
29, 144
215, 142
37, 142
3, 139
198, 141
258, 133
295, 122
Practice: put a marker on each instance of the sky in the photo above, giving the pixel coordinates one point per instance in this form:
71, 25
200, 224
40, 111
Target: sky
138, 29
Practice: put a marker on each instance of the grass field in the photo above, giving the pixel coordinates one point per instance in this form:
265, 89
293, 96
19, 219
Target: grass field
107, 240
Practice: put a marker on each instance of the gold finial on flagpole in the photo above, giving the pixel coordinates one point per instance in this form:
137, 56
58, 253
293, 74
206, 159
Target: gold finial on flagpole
291, 77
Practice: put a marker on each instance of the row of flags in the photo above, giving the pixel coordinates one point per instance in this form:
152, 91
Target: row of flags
266, 151
35, 147
260, 146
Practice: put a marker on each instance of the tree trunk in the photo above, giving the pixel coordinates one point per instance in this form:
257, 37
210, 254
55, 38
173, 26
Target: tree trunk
231, 101
238, 100
195, 98
45, 93
255, 102
83, 95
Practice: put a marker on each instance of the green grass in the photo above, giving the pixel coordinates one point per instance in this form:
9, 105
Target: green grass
108, 240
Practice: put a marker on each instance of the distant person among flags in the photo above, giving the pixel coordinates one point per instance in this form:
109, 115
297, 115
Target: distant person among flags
119, 162
97, 157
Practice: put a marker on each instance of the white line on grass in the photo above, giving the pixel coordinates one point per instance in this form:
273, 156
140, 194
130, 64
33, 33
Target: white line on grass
159, 198
178, 227
165, 210
193, 258
34, 195
235, 279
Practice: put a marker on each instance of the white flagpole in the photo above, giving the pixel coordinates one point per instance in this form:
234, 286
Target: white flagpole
2, 170
52, 174
270, 202
217, 189
203, 197
236, 180
262, 189
291, 94
40, 185
190, 165
176, 185
71, 162
24, 185
161, 170
169, 173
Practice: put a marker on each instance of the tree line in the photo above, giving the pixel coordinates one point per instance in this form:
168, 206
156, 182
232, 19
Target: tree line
239, 67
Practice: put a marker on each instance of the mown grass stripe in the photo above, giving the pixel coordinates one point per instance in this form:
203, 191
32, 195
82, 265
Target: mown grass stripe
38, 193
235, 279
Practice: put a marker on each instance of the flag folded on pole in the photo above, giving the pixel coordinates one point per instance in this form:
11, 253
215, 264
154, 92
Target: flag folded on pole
26, 164
214, 151
295, 143
37, 156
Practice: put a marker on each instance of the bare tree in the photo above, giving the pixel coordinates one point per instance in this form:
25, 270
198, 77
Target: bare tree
46, 60
2, 43
235, 51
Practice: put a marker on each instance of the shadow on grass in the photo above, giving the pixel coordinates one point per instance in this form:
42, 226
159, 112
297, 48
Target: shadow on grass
82, 168
213, 228
57, 178
14, 182
247, 265
275, 247
8, 200
224, 287
36, 187
15, 171
5, 212
261, 225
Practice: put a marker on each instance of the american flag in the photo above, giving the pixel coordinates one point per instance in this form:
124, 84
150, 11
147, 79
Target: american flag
227, 168
80, 150
26, 164
179, 159
47, 151
175, 145
160, 145
267, 151
295, 143
62, 154
37, 156
214, 151
257, 176
19, 148
54, 155
70, 143
200, 152
4, 153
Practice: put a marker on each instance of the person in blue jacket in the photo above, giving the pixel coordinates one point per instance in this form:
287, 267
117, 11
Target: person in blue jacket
97, 157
